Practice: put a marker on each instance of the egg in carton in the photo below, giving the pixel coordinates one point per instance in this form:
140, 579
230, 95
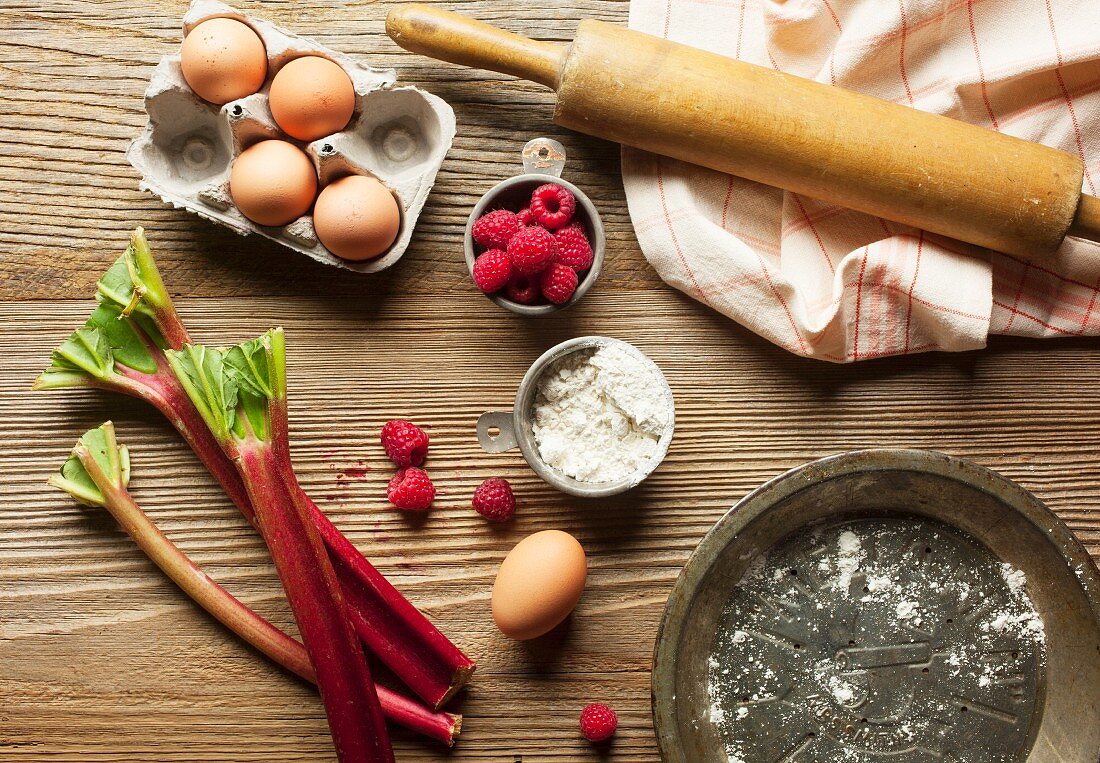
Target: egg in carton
397, 134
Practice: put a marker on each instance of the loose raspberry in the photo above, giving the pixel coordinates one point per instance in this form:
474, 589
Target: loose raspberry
492, 270
493, 500
405, 443
495, 229
523, 289
573, 247
531, 250
526, 217
411, 490
558, 282
553, 206
598, 722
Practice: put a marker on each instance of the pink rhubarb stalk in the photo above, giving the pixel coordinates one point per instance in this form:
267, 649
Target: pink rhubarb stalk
121, 348
97, 475
240, 392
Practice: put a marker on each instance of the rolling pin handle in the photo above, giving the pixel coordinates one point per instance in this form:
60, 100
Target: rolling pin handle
461, 40
1086, 223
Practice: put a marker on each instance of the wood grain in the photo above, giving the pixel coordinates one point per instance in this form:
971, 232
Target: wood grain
103, 660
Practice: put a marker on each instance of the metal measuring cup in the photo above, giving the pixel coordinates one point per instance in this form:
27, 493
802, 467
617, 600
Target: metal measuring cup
514, 428
543, 162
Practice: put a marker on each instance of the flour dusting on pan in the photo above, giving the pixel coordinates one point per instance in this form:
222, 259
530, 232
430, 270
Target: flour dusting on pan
875, 639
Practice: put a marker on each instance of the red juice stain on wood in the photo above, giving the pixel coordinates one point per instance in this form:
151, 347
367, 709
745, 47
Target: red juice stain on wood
357, 472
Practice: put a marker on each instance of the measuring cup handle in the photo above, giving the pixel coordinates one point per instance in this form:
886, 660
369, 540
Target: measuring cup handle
505, 439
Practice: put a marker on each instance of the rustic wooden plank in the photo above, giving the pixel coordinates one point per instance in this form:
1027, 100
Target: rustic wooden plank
96, 635
105, 661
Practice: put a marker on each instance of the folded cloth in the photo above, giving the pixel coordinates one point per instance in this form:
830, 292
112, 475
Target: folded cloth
830, 283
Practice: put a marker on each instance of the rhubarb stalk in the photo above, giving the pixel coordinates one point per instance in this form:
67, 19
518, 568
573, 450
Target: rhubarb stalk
97, 474
240, 392
121, 348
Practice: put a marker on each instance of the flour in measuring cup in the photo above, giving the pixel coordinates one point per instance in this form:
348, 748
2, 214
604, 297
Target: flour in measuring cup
599, 414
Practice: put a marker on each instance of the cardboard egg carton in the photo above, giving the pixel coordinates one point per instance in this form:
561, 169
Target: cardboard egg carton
398, 134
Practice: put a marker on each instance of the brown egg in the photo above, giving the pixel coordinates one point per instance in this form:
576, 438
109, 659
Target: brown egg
223, 60
311, 97
539, 583
273, 183
356, 217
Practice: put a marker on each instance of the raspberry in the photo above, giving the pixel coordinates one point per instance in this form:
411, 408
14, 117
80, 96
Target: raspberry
411, 490
492, 270
523, 289
553, 206
405, 443
558, 282
495, 229
493, 500
531, 250
573, 247
526, 217
598, 722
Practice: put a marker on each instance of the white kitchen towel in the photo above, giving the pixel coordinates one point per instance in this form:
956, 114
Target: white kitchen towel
829, 283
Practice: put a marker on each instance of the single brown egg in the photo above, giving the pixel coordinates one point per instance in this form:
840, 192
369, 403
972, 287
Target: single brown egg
273, 183
311, 97
538, 584
223, 60
356, 217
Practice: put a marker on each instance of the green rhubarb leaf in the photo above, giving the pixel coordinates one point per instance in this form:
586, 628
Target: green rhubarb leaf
112, 460
86, 350
247, 365
233, 386
202, 372
118, 286
122, 335
91, 352
133, 283
121, 330
145, 267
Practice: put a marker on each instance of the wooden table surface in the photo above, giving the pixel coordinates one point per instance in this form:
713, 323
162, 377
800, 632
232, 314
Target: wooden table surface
101, 659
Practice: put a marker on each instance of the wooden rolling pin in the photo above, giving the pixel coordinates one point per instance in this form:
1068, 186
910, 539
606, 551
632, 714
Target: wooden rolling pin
921, 169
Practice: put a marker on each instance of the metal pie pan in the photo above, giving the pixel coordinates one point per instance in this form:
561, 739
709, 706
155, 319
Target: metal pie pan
1046, 713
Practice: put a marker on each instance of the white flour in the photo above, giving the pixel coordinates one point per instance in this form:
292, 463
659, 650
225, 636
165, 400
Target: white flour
847, 561
599, 414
